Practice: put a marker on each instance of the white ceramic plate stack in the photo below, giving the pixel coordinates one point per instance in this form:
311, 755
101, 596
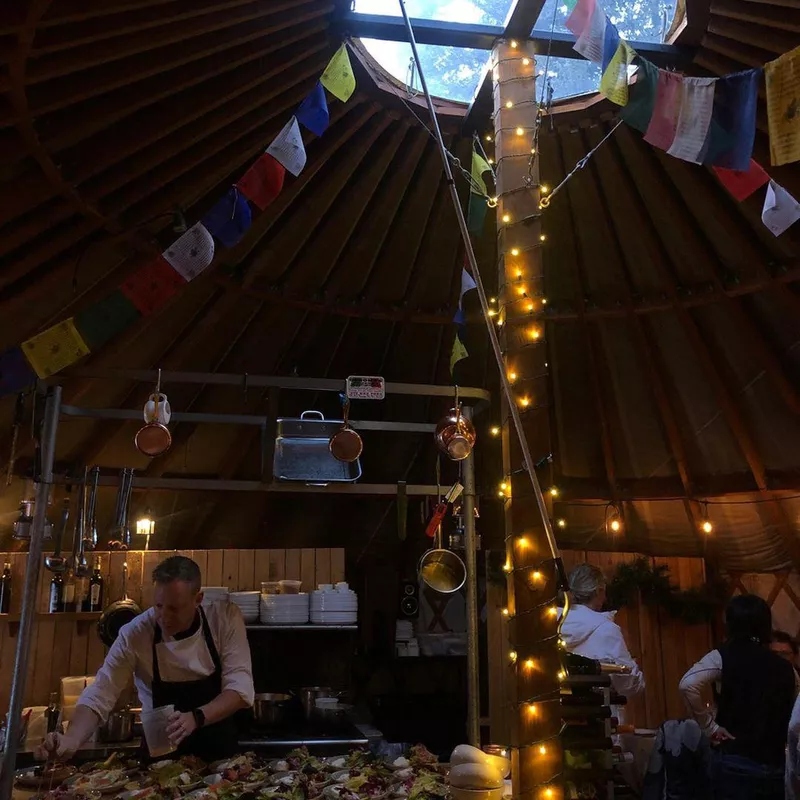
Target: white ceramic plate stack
249, 604
215, 594
284, 609
334, 607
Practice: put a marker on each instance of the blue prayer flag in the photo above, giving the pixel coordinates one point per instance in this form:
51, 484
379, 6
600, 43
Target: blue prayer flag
313, 111
230, 218
15, 372
610, 43
460, 319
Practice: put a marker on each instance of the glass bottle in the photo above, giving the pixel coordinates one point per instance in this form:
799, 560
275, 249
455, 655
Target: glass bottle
94, 599
53, 712
69, 592
56, 602
5, 589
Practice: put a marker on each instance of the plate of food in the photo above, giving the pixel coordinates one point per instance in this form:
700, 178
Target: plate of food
105, 781
43, 776
63, 793
183, 775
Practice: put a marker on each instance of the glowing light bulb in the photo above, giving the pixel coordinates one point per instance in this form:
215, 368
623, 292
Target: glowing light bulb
512, 656
500, 493
515, 251
530, 663
533, 151
707, 526
615, 525
514, 44
552, 611
544, 188
505, 612
562, 675
562, 523
553, 491
532, 709
506, 218
504, 486
537, 576
519, 274
495, 431
488, 137
523, 543
530, 308
520, 131
507, 567
512, 376
524, 402
548, 793
543, 237
542, 750
491, 312
521, 290
491, 161
525, 62
509, 104
534, 332
544, 303
493, 201
492, 299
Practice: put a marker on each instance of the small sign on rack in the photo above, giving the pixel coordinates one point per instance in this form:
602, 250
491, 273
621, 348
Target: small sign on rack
365, 387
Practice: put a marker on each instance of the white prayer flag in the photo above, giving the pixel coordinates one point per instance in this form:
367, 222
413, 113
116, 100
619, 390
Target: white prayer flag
781, 210
697, 103
467, 282
191, 253
592, 40
287, 148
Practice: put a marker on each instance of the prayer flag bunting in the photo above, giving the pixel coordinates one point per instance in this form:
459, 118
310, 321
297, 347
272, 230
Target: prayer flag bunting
742, 183
476, 214
696, 105
460, 318
641, 96
733, 121
229, 219
152, 285
614, 82
611, 42
479, 166
467, 284
459, 353
192, 253
107, 318
288, 149
15, 372
783, 107
781, 210
591, 42
582, 12
667, 109
338, 77
263, 182
55, 349
313, 111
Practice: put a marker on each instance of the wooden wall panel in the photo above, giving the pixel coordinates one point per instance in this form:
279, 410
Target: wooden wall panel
68, 645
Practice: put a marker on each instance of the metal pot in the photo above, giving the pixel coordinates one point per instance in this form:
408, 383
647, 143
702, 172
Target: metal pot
455, 435
117, 614
117, 728
309, 695
442, 570
346, 444
271, 708
334, 715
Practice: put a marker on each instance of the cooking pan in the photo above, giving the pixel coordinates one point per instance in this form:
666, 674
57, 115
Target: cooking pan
346, 444
117, 614
442, 570
270, 708
154, 439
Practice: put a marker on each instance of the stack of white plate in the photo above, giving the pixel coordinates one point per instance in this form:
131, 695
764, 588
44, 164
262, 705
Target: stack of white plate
215, 594
249, 604
336, 607
284, 609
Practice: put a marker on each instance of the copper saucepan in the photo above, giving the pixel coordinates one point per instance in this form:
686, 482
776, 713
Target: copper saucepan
154, 439
346, 445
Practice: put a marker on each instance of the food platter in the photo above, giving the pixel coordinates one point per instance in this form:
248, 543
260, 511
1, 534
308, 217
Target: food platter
298, 776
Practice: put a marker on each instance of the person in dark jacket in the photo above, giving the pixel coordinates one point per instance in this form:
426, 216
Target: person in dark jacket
754, 702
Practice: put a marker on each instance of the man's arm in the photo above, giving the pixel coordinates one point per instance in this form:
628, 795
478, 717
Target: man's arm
613, 643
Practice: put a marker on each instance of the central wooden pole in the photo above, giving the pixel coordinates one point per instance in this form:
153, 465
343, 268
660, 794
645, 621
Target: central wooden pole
534, 659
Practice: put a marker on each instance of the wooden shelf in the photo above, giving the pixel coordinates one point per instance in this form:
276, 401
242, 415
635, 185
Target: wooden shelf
39, 616
306, 627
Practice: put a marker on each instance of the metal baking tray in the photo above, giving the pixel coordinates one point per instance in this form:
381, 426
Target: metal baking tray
302, 451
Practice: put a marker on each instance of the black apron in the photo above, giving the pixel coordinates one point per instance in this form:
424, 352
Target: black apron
211, 742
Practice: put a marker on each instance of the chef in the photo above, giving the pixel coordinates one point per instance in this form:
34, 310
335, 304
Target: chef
177, 653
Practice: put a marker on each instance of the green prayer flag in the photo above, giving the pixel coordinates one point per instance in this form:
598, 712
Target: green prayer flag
106, 319
641, 96
476, 214
479, 166
459, 353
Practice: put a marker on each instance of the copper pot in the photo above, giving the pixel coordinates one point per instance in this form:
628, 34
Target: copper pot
455, 435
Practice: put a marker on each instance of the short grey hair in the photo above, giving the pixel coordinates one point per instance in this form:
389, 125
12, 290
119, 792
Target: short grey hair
584, 582
178, 568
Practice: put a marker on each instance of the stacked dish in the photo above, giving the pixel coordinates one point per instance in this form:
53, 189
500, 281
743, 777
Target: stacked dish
249, 604
334, 606
284, 609
215, 594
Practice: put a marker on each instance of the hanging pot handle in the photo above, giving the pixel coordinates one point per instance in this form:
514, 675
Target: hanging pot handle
307, 415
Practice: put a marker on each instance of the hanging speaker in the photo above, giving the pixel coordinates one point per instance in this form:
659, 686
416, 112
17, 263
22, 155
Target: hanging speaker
409, 599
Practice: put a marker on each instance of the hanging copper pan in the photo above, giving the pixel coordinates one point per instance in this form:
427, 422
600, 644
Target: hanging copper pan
455, 435
154, 439
346, 445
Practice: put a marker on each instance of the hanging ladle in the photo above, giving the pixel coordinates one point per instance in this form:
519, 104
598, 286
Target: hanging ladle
56, 562
81, 566
90, 536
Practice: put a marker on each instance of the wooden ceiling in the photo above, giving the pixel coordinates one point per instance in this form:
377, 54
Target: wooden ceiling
673, 313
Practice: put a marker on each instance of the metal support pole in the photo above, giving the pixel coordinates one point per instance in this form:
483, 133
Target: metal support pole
20, 676
471, 561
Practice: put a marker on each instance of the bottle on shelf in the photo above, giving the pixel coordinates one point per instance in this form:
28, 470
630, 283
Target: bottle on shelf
94, 598
69, 592
53, 713
56, 601
5, 589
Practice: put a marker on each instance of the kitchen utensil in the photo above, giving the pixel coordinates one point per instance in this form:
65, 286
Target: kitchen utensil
303, 453
346, 444
90, 535
270, 708
120, 533
157, 409
455, 435
154, 439
56, 562
309, 695
81, 566
442, 570
117, 728
117, 615
80, 507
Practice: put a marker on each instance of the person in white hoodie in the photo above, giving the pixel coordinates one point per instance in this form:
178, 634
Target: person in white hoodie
592, 633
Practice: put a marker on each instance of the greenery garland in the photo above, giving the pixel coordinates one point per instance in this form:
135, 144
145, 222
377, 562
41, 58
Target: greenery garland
640, 578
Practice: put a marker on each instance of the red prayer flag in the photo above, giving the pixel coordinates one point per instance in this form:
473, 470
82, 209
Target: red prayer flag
263, 182
742, 183
150, 287
581, 16
667, 110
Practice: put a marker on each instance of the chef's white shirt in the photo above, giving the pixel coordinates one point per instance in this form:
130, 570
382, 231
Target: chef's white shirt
179, 660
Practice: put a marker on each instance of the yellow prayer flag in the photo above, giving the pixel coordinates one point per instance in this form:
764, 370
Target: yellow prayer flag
614, 83
459, 353
479, 166
338, 77
783, 107
54, 349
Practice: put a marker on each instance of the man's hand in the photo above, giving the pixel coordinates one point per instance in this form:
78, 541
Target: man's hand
721, 735
56, 745
180, 725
